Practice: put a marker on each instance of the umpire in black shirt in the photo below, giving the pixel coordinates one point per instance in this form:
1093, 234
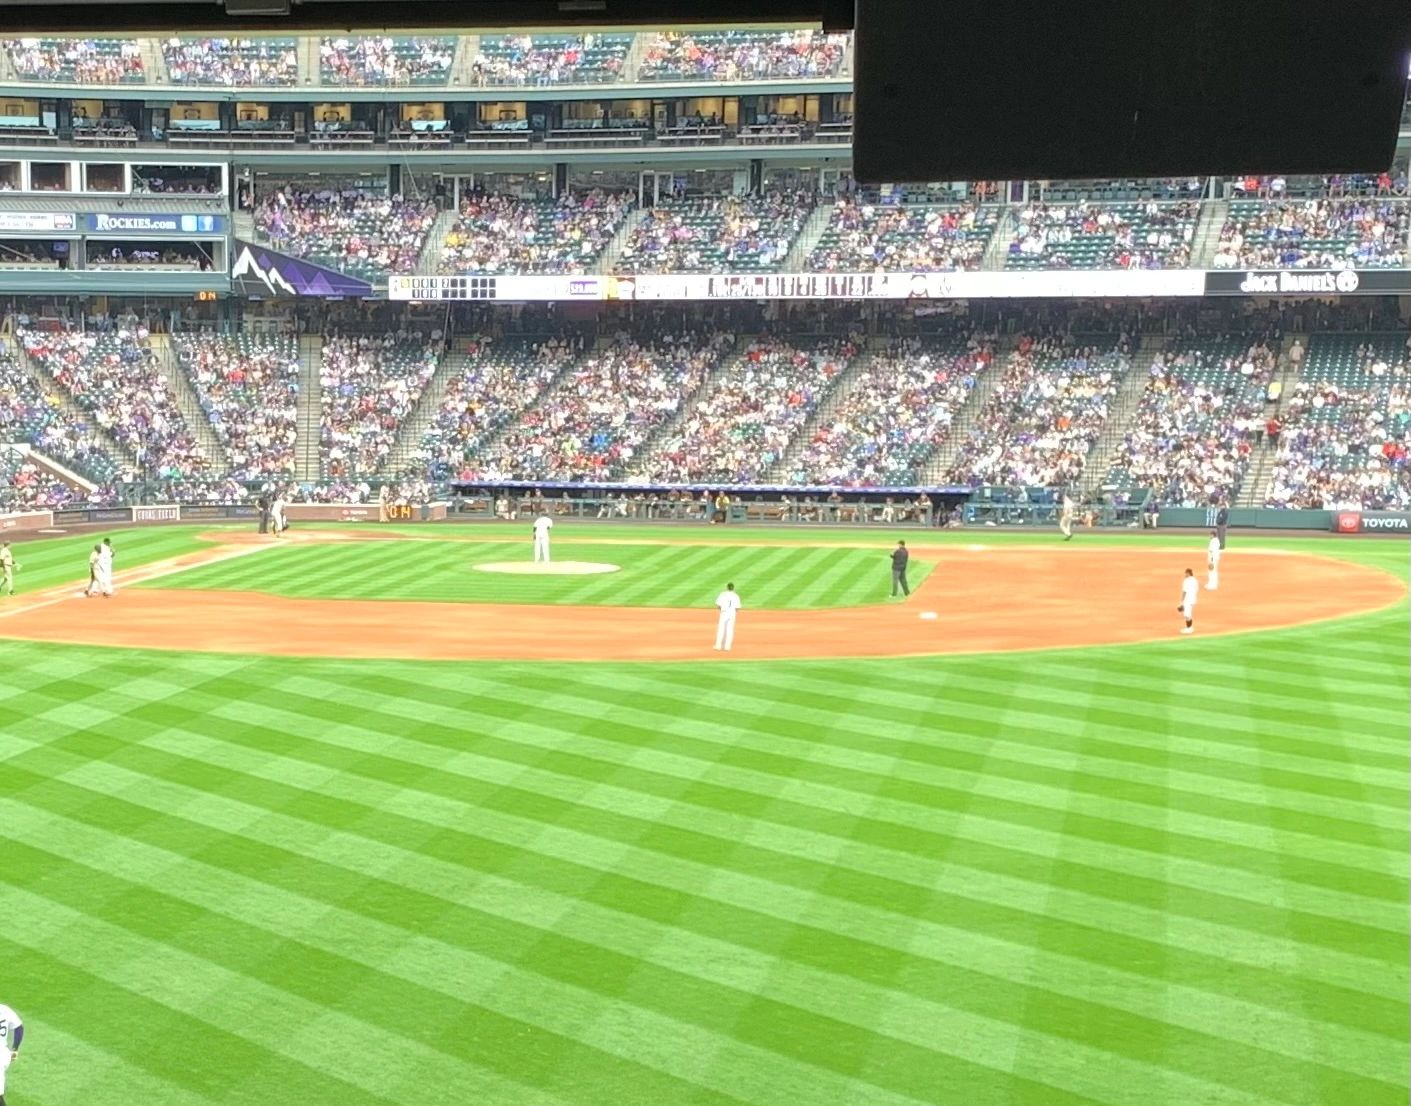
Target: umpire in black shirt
899, 558
1222, 522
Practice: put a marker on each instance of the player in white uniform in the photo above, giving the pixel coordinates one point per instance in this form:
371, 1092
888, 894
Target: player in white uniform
1212, 562
542, 525
11, 1034
1065, 518
728, 603
1190, 591
93, 585
7, 569
276, 515
105, 568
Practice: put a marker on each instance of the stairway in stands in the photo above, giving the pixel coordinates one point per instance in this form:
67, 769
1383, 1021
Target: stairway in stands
796, 260
608, 258
667, 431
1213, 214
936, 466
154, 63
467, 50
1124, 407
72, 412
430, 260
409, 435
1254, 489
188, 403
308, 464
842, 384
997, 249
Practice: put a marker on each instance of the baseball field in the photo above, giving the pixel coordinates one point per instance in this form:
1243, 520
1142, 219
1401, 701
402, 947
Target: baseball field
348, 819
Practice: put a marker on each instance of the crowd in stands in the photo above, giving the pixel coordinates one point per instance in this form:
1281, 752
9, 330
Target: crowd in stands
741, 427
237, 62
895, 415
716, 235
77, 60
26, 487
365, 233
604, 408
1316, 233
114, 376
248, 387
867, 237
500, 379
506, 234
1113, 236
1046, 411
550, 59
34, 415
383, 60
1192, 434
370, 384
741, 55
1345, 436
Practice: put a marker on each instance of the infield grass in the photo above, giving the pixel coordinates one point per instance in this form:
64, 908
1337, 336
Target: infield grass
1169, 873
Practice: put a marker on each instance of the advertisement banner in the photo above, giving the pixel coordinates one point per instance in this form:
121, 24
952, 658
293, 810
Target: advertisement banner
27, 222
168, 512
507, 287
1373, 522
258, 272
26, 520
1308, 282
1118, 283
129, 223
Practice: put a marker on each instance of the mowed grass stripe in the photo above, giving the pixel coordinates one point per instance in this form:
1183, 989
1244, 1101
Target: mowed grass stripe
314, 774
1123, 782
285, 832
430, 1000
804, 845
305, 1030
564, 970
392, 726
651, 575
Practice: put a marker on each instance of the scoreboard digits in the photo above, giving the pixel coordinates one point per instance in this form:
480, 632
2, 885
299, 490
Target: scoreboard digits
442, 288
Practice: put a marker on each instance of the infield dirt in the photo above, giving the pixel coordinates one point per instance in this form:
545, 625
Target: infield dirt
986, 599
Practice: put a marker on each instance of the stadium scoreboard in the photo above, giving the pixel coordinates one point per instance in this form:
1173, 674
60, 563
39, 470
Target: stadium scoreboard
442, 288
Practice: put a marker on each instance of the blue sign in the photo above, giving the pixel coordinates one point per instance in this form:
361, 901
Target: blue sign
127, 223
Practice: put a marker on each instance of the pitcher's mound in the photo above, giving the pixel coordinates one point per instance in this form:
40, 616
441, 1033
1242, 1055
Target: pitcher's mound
553, 568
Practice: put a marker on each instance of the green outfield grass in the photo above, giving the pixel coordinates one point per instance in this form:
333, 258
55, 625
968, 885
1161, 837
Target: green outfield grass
1171, 873
649, 575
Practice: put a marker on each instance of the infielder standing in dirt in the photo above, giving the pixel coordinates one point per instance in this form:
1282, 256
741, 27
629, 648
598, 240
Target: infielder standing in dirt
542, 525
7, 569
1212, 562
728, 603
1190, 592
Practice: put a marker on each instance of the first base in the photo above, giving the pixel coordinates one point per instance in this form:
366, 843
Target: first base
928, 616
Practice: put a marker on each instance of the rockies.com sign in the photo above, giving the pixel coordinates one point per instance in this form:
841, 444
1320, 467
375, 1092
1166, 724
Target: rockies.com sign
1308, 282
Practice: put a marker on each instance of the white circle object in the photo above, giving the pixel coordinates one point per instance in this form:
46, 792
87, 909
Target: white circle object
552, 568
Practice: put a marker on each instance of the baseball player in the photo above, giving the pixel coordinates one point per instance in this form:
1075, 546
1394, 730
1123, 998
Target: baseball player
93, 558
7, 569
11, 1034
1212, 562
728, 603
900, 557
1190, 591
1065, 518
542, 525
276, 515
105, 568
